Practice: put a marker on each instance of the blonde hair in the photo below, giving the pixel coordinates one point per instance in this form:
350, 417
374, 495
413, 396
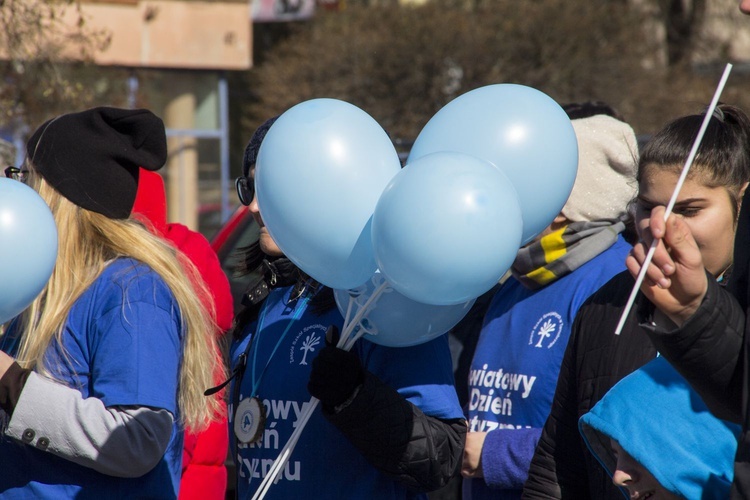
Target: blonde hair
87, 242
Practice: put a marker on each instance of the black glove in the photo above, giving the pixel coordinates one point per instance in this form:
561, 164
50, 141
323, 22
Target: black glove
335, 373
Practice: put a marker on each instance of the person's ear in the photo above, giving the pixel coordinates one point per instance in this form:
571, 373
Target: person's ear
740, 197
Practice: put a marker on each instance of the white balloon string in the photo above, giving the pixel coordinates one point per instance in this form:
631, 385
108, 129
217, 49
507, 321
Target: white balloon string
344, 343
673, 200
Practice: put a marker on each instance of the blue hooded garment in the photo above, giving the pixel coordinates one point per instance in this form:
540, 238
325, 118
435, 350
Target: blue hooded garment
665, 426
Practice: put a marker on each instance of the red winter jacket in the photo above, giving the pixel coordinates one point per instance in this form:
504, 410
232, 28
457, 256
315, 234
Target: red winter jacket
203, 473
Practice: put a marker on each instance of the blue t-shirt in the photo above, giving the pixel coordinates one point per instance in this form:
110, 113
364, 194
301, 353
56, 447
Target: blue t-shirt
122, 344
516, 364
324, 463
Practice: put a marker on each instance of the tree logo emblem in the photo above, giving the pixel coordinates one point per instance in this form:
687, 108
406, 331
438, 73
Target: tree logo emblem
308, 345
546, 331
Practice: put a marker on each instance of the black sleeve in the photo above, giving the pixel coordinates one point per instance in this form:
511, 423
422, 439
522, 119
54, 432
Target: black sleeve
11, 385
707, 351
558, 467
739, 279
397, 438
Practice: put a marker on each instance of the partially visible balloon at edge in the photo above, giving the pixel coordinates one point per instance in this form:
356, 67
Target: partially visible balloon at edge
28, 247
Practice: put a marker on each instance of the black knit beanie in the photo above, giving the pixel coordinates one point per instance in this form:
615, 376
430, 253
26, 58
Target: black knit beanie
92, 157
253, 147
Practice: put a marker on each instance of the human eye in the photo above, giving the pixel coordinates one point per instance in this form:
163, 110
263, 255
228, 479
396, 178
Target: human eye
687, 211
643, 207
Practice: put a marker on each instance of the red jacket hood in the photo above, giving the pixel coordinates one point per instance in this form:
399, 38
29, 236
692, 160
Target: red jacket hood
151, 209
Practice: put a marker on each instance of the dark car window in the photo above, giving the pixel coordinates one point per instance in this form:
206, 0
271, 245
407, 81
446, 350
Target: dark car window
243, 235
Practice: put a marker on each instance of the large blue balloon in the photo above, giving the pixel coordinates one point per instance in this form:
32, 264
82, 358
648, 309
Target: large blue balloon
28, 247
446, 228
320, 171
520, 130
397, 321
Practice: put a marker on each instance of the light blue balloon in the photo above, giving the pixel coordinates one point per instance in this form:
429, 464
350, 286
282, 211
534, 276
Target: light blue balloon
28, 247
320, 171
522, 131
446, 228
397, 321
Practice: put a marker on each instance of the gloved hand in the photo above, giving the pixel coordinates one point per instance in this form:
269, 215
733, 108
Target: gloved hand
335, 373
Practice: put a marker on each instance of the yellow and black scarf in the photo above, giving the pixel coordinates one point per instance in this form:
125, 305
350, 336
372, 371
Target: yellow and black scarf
563, 251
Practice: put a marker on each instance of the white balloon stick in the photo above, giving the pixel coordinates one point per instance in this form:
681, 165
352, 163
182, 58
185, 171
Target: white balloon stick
673, 200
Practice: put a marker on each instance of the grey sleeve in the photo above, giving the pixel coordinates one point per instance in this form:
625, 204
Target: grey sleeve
117, 441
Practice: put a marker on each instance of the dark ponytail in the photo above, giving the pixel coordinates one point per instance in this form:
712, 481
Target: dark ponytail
723, 157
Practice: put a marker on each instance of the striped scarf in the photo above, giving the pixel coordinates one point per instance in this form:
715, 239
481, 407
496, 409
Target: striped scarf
563, 251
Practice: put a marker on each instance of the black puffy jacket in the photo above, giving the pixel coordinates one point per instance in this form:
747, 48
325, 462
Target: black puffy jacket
594, 361
398, 439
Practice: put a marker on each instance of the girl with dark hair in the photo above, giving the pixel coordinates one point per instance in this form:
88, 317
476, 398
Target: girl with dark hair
390, 425
596, 359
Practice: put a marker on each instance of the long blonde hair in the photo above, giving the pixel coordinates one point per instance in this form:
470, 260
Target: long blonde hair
87, 242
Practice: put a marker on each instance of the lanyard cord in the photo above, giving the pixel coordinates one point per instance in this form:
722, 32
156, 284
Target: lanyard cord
298, 310
239, 370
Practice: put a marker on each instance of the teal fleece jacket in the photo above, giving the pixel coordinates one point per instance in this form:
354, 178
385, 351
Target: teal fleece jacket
664, 425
